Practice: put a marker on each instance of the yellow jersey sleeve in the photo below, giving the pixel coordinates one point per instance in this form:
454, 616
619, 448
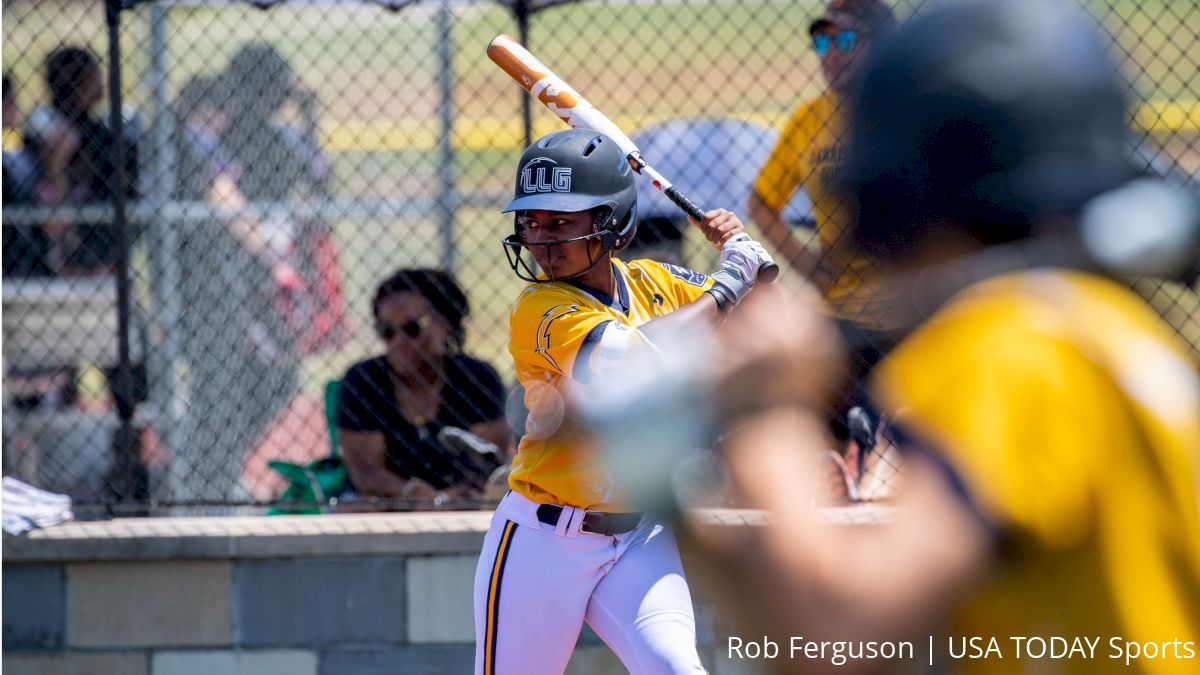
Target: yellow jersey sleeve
809, 154
682, 285
548, 328
785, 168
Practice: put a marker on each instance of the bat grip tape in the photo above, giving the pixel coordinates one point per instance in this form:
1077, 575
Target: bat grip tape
681, 200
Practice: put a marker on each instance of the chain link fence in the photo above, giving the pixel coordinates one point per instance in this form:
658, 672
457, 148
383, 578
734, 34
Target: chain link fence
285, 158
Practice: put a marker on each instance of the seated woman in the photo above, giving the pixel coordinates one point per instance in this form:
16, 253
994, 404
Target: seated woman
392, 407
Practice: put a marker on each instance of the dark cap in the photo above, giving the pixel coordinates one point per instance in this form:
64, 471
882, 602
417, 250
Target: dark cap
866, 16
975, 115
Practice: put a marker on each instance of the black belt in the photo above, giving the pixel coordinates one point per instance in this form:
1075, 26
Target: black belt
594, 522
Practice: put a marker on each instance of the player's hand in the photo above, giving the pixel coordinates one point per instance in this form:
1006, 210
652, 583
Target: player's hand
741, 259
743, 244
719, 226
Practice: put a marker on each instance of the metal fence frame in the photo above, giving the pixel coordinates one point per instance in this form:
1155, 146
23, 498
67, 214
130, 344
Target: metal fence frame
163, 216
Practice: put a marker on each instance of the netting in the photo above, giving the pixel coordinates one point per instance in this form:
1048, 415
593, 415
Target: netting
285, 158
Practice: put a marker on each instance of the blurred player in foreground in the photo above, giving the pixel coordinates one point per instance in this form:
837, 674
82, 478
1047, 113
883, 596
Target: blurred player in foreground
1051, 423
564, 546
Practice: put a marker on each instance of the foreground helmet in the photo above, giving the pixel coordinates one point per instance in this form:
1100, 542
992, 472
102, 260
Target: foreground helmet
569, 171
984, 116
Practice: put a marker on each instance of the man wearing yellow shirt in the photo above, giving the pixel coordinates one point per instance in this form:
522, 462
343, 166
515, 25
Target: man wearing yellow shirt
809, 154
1050, 419
565, 546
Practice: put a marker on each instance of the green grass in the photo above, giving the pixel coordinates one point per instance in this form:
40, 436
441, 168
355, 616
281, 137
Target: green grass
718, 55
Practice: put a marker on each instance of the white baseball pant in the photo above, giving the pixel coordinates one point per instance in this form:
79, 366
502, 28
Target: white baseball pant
536, 584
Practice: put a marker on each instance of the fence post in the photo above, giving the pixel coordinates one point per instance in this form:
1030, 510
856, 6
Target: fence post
162, 252
447, 197
520, 9
124, 477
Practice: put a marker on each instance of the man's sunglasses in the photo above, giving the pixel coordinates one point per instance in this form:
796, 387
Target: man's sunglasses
412, 328
844, 41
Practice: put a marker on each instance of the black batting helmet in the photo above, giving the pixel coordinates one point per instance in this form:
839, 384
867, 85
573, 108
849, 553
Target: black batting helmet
983, 116
570, 171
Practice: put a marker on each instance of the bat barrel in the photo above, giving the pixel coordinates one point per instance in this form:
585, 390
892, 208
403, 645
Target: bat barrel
558, 96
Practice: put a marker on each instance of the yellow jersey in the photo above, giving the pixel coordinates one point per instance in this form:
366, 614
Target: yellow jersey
1071, 421
809, 153
560, 332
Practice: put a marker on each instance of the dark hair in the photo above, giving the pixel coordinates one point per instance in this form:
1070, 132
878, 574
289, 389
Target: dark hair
261, 80
437, 287
200, 91
872, 17
65, 69
7, 87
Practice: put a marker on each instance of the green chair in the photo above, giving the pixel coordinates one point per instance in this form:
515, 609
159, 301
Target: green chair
319, 482
333, 389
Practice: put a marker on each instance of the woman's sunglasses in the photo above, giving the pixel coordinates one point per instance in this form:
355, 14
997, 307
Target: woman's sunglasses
412, 328
844, 41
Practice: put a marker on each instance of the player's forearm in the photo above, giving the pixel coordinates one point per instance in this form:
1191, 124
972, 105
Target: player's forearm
364, 455
228, 198
886, 581
779, 234
375, 481
698, 318
496, 432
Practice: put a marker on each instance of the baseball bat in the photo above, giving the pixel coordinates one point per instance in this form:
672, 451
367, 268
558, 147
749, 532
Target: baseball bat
562, 100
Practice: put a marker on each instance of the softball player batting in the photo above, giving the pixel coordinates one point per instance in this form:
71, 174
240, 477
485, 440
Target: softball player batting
563, 547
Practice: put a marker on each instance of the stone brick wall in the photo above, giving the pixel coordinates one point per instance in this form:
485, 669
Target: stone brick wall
297, 595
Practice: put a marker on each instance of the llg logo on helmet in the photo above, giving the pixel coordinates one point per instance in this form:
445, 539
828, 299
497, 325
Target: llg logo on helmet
545, 178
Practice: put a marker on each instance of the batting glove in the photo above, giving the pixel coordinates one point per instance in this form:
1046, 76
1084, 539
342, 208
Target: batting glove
741, 259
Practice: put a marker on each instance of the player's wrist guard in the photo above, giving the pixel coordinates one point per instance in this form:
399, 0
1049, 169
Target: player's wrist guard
730, 287
741, 258
723, 298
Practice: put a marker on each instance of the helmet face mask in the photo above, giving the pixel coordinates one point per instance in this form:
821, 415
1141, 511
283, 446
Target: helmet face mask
570, 172
517, 245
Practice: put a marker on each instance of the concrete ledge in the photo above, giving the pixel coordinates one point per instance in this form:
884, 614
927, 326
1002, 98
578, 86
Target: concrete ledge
253, 537
341, 535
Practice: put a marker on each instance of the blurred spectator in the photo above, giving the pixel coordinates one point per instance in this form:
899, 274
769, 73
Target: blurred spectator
393, 406
200, 119
71, 147
25, 246
267, 280
274, 163
243, 366
20, 170
74, 149
66, 265
24, 252
810, 153
277, 161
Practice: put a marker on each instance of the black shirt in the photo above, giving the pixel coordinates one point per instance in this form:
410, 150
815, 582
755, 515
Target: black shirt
473, 393
93, 245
